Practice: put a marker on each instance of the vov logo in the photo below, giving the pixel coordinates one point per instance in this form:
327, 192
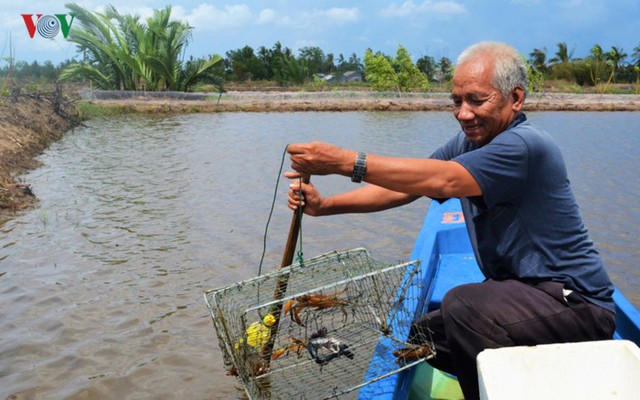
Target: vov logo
48, 26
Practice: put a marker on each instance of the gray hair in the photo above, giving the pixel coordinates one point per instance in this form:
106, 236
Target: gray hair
510, 69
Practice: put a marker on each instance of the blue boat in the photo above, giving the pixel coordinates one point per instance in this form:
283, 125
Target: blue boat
445, 251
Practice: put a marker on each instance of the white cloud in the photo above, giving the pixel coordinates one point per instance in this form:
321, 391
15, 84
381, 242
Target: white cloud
208, 17
318, 19
266, 16
178, 13
341, 15
404, 10
409, 8
315, 19
444, 7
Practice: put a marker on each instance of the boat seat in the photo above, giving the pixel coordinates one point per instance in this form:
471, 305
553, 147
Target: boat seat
452, 270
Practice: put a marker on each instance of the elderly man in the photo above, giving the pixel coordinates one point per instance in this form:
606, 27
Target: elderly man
545, 282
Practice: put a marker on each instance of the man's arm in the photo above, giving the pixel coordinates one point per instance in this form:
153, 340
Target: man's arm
368, 198
424, 177
417, 177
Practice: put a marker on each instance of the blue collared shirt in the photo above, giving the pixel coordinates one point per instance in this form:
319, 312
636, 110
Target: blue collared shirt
526, 224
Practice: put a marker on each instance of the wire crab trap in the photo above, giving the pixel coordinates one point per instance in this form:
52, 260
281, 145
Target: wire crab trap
339, 322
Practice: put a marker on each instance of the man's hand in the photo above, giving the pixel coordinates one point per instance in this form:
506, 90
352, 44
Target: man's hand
304, 196
318, 158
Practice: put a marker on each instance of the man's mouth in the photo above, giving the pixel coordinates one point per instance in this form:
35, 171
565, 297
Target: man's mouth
471, 129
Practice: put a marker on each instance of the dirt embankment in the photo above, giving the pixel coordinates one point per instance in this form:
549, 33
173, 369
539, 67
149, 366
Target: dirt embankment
29, 123
248, 101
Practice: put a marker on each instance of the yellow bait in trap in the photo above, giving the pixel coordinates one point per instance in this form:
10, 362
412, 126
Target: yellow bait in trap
257, 334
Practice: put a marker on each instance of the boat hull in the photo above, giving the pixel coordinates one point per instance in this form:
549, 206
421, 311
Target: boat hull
444, 249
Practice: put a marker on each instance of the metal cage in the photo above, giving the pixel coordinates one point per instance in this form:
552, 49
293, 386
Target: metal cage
339, 322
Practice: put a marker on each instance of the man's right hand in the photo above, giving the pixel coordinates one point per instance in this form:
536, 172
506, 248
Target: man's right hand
304, 195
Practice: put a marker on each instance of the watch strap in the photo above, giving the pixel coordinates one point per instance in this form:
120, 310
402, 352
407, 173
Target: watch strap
359, 168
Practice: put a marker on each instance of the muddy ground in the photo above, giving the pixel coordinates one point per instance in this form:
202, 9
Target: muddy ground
29, 123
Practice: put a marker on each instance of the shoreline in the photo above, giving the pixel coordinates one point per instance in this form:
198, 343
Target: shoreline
171, 102
29, 123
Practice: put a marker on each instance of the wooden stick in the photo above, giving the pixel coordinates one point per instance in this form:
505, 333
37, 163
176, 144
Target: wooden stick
283, 280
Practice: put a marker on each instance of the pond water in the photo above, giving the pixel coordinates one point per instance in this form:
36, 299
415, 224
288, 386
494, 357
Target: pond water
102, 295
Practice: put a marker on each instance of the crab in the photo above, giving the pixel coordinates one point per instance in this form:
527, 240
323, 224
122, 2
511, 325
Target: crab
315, 301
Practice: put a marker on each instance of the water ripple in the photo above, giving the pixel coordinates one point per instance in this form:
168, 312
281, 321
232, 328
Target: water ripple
102, 285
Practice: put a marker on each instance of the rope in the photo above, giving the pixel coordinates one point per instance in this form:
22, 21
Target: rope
273, 203
300, 213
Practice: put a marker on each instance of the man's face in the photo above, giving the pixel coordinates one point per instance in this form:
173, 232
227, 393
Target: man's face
480, 108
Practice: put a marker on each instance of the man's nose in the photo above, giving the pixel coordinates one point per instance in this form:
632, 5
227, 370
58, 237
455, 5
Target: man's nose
464, 112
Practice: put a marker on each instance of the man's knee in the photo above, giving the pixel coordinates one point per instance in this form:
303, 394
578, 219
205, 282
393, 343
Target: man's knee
487, 300
460, 301
468, 311
457, 305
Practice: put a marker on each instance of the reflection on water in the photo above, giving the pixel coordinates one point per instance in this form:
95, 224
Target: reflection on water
138, 216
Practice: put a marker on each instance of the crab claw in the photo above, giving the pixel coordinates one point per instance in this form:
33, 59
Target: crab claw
287, 306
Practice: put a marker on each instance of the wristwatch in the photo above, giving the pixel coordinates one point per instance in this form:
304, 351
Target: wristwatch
359, 168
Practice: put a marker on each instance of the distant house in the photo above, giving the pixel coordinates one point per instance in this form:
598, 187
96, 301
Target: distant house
349, 76
327, 77
352, 76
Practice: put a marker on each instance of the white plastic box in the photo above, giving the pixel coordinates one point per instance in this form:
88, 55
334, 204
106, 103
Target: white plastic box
598, 370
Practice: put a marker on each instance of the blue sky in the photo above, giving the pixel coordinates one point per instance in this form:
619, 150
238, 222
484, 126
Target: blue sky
432, 27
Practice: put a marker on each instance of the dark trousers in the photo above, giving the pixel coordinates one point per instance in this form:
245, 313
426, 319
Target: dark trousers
495, 314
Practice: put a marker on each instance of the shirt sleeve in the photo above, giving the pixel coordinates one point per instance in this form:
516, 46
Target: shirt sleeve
500, 168
454, 147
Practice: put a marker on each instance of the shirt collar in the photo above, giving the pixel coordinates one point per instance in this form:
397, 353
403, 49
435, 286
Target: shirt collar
520, 118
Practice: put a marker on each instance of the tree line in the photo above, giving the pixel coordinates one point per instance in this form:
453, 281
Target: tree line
599, 68
122, 52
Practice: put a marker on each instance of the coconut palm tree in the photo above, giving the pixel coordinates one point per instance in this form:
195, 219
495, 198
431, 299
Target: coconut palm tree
597, 64
615, 57
636, 55
597, 52
538, 59
562, 55
166, 42
104, 49
636, 68
121, 52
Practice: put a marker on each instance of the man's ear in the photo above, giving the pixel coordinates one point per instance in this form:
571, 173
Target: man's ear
517, 95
